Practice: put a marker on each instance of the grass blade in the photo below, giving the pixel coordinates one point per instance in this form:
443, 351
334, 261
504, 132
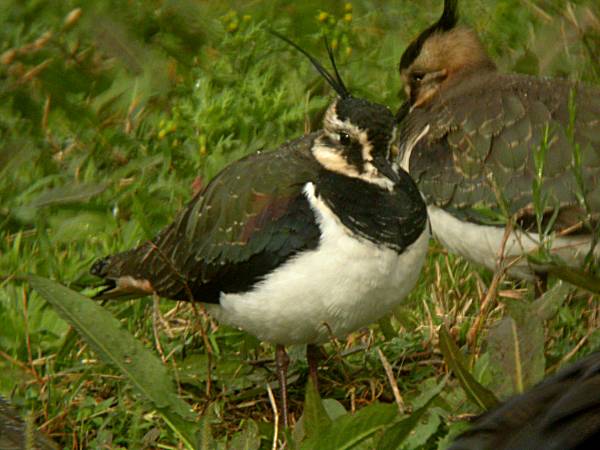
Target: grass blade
483, 397
116, 346
68, 194
576, 277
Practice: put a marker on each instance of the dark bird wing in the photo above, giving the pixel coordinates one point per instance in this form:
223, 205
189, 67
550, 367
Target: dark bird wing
484, 136
250, 218
561, 413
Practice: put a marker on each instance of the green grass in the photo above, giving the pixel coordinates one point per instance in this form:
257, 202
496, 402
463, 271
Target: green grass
110, 120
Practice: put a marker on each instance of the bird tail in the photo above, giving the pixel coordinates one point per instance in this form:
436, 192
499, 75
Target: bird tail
120, 282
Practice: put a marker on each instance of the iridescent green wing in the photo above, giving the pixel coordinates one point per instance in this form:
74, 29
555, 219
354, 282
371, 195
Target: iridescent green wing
249, 219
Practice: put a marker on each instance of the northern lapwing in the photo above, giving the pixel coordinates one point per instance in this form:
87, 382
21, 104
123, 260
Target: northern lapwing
560, 413
315, 239
487, 148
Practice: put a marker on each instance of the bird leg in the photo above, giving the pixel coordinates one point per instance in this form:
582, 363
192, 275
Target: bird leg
282, 362
314, 355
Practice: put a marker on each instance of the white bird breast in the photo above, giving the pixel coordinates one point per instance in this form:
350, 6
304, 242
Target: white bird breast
347, 282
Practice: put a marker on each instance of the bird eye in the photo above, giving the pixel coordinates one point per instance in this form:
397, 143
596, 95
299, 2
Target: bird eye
345, 139
417, 77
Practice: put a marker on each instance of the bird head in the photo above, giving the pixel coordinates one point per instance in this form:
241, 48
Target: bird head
356, 140
440, 56
357, 134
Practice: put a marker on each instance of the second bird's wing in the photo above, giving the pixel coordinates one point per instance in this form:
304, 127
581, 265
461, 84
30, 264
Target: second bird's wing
489, 139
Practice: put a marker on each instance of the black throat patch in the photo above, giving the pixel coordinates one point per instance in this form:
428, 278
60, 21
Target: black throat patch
394, 219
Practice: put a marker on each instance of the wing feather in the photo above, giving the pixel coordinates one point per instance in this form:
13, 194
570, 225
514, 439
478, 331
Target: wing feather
483, 140
245, 223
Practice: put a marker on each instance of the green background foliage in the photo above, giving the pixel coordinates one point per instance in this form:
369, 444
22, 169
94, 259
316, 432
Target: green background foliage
112, 113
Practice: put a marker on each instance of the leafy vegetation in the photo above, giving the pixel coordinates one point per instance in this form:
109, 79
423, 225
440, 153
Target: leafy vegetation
113, 113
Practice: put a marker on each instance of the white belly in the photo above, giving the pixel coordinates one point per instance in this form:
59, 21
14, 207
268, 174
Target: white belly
482, 244
342, 285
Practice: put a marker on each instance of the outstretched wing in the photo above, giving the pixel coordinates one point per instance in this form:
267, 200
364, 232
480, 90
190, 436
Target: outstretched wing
249, 220
485, 144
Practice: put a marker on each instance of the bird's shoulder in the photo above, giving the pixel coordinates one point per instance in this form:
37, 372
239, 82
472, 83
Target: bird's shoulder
226, 219
488, 102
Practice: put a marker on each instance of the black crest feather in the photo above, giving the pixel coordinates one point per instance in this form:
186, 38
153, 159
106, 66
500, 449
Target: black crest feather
335, 81
446, 22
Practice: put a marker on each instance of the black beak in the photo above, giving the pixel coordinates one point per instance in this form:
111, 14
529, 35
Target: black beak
385, 168
403, 111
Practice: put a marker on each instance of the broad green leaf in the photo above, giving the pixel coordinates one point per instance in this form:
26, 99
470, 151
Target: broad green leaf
116, 346
482, 396
398, 432
423, 430
548, 304
351, 429
68, 194
576, 277
454, 429
315, 418
247, 439
333, 408
516, 349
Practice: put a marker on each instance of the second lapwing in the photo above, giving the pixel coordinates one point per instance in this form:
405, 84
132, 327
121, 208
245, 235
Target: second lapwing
485, 146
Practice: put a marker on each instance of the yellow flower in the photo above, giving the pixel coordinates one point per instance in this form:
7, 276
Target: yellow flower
348, 7
247, 18
348, 17
348, 51
233, 26
323, 16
